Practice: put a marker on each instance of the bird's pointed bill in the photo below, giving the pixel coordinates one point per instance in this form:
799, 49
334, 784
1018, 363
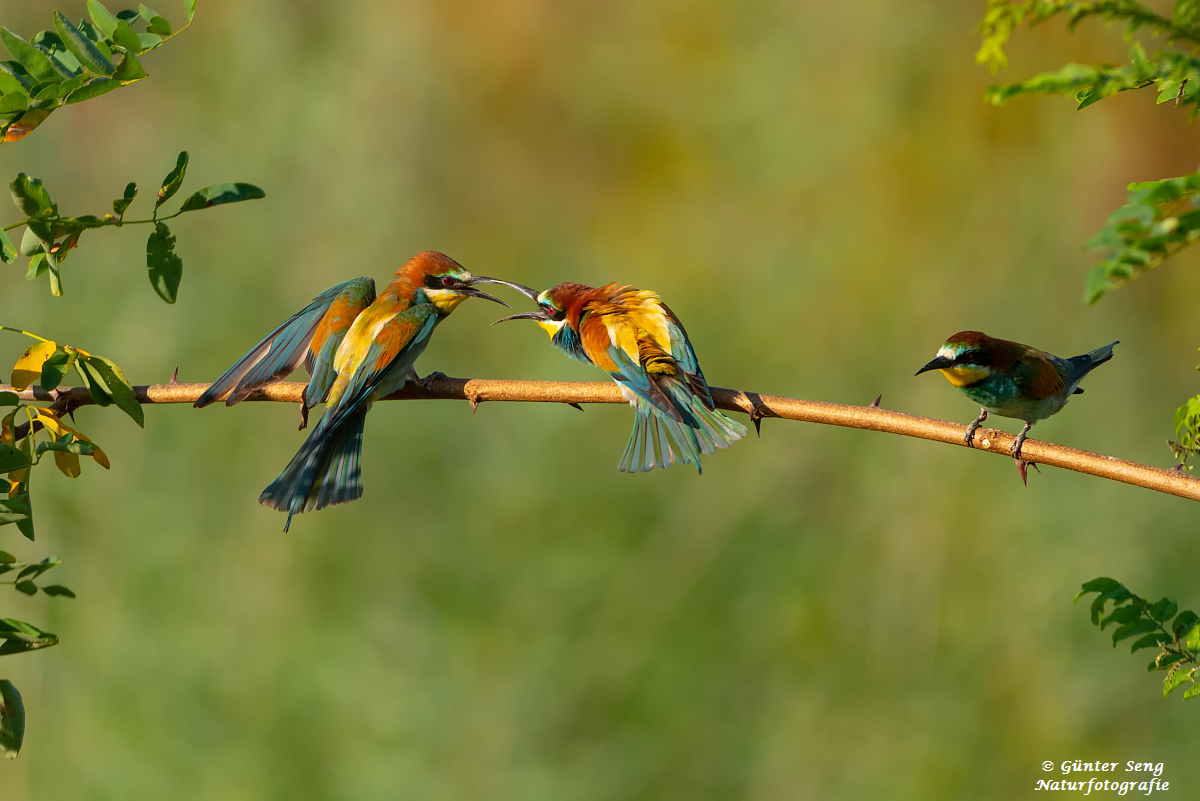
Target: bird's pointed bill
939, 363
540, 314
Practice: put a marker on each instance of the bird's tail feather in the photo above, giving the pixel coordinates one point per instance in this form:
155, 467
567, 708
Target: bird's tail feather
1090, 361
658, 440
325, 471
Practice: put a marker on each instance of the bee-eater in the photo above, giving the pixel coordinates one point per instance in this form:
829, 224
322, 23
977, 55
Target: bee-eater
641, 343
373, 358
1011, 379
311, 335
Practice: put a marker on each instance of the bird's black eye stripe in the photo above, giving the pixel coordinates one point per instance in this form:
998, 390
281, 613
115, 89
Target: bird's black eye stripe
441, 281
970, 357
553, 313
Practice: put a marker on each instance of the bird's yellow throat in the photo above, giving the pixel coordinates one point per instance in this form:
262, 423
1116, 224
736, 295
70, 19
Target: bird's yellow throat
446, 300
961, 376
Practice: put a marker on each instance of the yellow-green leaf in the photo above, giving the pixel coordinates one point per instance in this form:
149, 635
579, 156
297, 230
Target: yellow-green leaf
29, 367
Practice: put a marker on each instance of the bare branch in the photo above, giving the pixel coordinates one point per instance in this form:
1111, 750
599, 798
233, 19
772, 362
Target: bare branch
871, 418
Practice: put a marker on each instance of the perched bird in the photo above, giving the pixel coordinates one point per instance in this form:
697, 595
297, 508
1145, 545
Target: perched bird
357, 358
1011, 379
641, 343
311, 335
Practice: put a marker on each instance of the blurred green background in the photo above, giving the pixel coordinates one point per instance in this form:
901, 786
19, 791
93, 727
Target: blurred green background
819, 191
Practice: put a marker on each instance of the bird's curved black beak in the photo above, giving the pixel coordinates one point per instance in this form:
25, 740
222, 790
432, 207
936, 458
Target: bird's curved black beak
940, 363
483, 279
540, 314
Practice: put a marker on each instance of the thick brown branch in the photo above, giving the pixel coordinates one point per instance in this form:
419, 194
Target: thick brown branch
871, 418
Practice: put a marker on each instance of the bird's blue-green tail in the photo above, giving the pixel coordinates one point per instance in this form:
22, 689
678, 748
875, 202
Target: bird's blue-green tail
1082, 365
659, 440
325, 471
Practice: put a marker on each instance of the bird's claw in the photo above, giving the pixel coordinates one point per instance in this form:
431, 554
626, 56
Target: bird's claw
971, 429
1023, 468
426, 383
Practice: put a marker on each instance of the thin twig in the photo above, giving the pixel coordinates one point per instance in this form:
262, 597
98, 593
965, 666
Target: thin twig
871, 418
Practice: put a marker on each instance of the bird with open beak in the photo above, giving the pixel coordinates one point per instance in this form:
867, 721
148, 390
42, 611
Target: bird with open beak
640, 342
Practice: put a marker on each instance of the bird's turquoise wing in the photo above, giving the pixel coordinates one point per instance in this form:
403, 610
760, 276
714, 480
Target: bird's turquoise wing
356, 296
281, 351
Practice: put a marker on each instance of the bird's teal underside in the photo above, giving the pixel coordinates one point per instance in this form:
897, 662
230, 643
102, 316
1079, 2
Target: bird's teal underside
568, 341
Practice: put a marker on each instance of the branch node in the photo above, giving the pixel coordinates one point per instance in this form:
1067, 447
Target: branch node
875, 403
756, 417
574, 405
174, 376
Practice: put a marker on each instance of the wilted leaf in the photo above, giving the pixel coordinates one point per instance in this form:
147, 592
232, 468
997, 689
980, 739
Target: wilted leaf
8, 254
81, 47
29, 367
67, 463
12, 720
170, 184
166, 268
219, 194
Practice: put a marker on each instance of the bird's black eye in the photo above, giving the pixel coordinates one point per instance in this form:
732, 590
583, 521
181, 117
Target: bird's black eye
447, 281
553, 313
970, 357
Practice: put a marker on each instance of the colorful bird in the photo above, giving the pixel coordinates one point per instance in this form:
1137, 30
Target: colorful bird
1011, 379
641, 343
373, 357
311, 335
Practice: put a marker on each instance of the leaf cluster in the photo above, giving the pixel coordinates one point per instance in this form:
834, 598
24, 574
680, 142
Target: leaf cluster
76, 62
1177, 641
1159, 219
50, 236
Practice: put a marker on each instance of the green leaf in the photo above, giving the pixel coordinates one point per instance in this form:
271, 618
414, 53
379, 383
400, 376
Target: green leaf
7, 558
10, 80
105, 20
218, 194
55, 91
1164, 662
1132, 629
1183, 623
93, 384
8, 254
31, 197
146, 12
117, 385
160, 26
14, 101
9, 399
33, 59
1163, 610
1186, 13
1174, 681
37, 267
27, 587
1192, 641
126, 38
35, 570
1149, 641
171, 183
12, 720
1191, 692
20, 636
82, 47
58, 589
129, 70
97, 86
190, 5
166, 268
119, 206
1101, 585
12, 459
53, 370
148, 41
